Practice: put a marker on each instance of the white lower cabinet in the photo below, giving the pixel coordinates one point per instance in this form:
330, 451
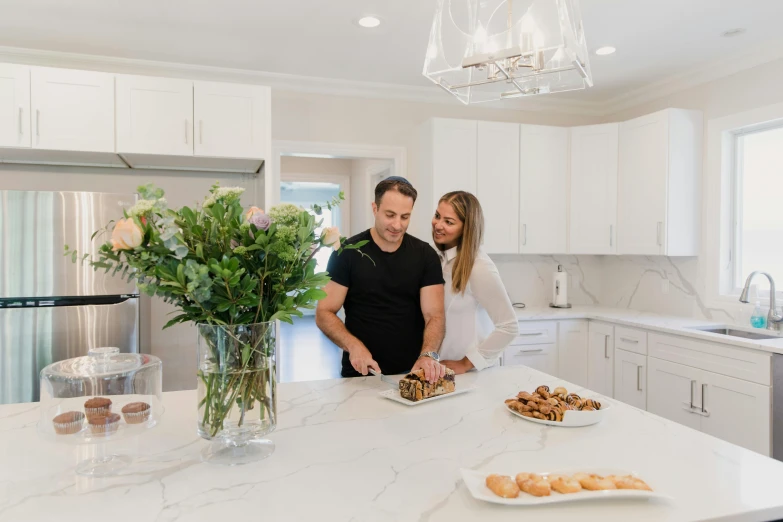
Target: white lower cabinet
600, 360
572, 351
630, 378
731, 409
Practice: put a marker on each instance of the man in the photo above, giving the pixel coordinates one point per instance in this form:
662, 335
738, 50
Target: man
392, 292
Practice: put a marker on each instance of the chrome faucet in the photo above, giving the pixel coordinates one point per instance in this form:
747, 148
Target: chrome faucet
774, 321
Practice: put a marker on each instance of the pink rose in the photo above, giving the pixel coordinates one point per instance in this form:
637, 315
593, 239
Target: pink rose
126, 235
253, 210
331, 237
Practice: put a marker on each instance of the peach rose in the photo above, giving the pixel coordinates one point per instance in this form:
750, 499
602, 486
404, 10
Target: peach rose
331, 237
126, 235
252, 211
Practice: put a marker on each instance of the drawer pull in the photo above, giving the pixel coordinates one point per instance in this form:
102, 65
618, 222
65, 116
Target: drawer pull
531, 350
627, 340
529, 334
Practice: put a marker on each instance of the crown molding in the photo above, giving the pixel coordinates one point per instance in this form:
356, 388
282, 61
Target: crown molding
711, 71
278, 81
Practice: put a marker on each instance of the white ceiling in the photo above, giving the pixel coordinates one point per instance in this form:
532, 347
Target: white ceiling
657, 41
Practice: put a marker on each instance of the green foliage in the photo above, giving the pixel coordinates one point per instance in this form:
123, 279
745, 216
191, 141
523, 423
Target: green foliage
215, 265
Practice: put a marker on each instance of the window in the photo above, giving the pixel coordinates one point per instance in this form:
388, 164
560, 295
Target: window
758, 206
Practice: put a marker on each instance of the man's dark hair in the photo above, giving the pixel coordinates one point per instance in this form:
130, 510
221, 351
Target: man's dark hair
398, 183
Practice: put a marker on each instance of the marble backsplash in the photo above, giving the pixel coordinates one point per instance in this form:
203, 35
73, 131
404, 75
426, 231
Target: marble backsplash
657, 284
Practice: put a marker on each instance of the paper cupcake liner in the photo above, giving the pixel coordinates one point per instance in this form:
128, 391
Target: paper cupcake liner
137, 417
104, 429
68, 428
94, 412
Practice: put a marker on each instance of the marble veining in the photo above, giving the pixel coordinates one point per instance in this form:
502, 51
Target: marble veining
344, 453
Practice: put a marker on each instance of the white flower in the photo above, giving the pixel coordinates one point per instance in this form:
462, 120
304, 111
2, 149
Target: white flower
146, 206
331, 237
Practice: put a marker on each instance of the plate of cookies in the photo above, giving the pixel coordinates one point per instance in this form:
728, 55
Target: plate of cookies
557, 407
531, 489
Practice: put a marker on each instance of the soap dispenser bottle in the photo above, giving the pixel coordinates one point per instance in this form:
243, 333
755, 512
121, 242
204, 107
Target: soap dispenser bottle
759, 318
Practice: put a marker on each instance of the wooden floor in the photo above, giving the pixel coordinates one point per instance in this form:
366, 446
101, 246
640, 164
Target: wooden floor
305, 354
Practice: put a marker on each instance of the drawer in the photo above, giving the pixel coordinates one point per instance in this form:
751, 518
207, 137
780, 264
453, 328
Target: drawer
536, 333
630, 339
748, 365
542, 357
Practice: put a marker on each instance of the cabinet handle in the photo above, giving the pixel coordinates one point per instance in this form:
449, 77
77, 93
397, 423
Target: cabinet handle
691, 402
37, 123
524, 232
20, 121
658, 233
638, 378
625, 339
611, 234
606, 346
529, 334
200, 132
531, 350
186, 131
703, 397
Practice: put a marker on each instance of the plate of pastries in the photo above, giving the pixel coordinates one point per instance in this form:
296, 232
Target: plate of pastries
557, 407
529, 489
414, 389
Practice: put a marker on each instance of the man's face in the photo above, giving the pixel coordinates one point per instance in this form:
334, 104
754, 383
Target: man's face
393, 216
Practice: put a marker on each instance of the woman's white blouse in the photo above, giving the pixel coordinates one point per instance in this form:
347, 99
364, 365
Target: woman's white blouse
480, 322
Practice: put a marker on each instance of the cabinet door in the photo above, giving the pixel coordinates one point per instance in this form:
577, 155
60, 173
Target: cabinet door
72, 110
600, 368
542, 357
454, 150
543, 199
641, 197
593, 189
630, 378
671, 389
154, 115
15, 105
572, 352
231, 120
498, 185
736, 411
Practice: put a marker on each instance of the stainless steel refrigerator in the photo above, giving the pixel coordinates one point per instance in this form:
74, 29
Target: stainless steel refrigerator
50, 307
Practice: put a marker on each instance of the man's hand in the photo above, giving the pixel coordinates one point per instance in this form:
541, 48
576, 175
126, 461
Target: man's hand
433, 370
459, 367
361, 359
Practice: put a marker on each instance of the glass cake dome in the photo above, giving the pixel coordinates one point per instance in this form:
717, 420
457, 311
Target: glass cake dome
102, 396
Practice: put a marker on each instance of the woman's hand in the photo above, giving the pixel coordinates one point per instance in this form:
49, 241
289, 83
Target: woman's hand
462, 366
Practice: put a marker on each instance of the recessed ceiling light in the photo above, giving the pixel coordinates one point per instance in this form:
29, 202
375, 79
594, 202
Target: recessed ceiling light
603, 51
732, 32
369, 22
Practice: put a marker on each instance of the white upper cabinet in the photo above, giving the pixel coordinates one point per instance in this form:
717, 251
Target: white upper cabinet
231, 120
593, 189
72, 110
454, 152
658, 201
543, 199
498, 185
14, 105
154, 115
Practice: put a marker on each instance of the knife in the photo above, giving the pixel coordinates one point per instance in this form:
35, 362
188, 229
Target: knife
385, 378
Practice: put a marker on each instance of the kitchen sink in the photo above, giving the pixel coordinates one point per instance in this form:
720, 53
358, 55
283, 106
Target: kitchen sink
733, 332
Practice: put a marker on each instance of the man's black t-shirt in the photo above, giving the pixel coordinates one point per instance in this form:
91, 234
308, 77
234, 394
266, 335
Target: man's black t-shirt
382, 307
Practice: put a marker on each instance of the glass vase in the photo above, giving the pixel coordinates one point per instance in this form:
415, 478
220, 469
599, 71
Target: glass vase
237, 399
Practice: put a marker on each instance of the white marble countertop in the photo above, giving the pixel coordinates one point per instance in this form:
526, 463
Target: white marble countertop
661, 323
346, 454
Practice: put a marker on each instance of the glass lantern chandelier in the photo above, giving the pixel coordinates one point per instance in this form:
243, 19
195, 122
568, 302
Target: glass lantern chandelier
487, 50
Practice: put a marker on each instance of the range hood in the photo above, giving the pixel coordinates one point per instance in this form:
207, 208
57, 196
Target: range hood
70, 158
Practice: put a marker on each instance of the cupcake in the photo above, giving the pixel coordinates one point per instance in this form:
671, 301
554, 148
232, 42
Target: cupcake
136, 412
97, 406
104, 424
68, 423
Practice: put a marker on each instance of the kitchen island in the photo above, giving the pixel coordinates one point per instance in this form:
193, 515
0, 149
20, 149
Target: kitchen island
346, 454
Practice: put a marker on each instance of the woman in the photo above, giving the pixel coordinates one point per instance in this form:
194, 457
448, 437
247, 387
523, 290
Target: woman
474, 291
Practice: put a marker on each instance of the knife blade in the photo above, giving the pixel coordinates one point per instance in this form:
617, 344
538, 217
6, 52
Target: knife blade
384, 378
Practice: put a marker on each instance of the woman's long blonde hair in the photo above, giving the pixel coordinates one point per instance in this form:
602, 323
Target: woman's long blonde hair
468, 210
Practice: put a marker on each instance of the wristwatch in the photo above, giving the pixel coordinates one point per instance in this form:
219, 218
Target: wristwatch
431, 355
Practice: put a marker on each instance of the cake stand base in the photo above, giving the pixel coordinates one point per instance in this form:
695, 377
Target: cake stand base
103, 466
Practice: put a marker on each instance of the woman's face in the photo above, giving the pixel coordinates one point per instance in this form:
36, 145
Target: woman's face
446, 226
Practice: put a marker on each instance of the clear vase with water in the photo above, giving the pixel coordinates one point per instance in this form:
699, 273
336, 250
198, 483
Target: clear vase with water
237, 399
